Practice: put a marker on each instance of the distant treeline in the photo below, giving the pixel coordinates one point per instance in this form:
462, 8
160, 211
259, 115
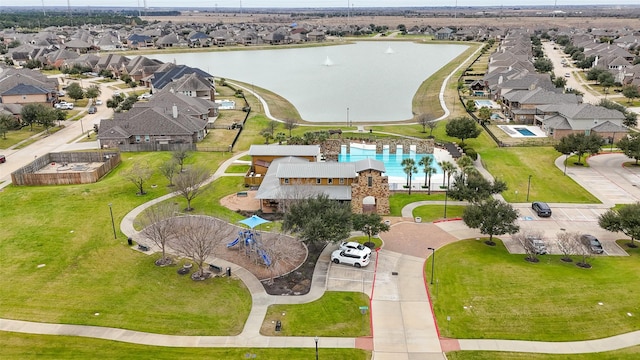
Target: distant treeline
38, 19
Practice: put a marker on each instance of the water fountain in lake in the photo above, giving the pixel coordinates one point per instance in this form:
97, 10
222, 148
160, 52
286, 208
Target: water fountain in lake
327, 62
389, 50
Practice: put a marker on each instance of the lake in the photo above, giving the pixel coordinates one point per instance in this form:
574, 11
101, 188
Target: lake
373, 81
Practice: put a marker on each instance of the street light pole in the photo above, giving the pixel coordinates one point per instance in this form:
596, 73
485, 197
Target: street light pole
528, 187
433, 261
445, 203
348, 117
316, 339
113, 224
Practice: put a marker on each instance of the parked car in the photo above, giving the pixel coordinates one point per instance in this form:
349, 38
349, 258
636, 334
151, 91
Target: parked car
3, 159
592, 243
541, 208
355, 257
64, 105
145, 96
567, 75
353, 245
538, 246
92, 110
98, 102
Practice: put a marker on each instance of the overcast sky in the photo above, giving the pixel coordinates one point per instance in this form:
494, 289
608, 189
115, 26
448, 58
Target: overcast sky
309, 3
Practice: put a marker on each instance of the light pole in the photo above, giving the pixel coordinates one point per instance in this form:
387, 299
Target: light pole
566, 158
528, 187
445, 203
348, 117
316, 339
433, 262
113, 224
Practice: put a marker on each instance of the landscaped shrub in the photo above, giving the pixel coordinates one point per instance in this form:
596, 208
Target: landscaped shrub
471, 153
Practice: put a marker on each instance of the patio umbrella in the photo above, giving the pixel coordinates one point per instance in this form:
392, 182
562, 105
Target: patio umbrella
253, 221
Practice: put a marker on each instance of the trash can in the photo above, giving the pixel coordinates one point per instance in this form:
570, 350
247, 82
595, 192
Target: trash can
228, 271
130, 241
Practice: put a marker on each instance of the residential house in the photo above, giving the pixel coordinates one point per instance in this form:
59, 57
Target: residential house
444, 33
285, 177
561, 120
151, 129
520, 105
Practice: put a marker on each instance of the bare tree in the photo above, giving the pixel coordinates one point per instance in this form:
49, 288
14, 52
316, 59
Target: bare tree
168, 169
526, 239
159, 226
196, 238
180, 156
568, 242
139, 174
282, 254
432, 124
290, 124
583, 251
423, 120
189, 182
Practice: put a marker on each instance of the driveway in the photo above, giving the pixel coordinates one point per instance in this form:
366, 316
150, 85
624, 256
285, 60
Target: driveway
66, 139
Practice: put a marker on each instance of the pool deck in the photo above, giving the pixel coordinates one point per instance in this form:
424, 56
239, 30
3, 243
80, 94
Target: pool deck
511, 131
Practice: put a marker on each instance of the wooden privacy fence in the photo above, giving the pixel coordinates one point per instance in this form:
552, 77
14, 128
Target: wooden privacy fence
29, 175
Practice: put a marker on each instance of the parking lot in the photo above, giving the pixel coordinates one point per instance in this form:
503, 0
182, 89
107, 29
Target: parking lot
582, 220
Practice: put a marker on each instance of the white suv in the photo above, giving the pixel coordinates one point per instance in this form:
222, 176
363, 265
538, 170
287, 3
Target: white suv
353, 245
355, 257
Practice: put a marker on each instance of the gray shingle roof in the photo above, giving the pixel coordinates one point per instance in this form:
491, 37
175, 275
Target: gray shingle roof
316, 170
284, 150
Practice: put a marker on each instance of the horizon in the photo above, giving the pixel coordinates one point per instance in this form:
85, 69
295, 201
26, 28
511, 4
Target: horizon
314, 4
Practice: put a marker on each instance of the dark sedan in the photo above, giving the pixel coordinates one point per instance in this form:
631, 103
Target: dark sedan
541, 208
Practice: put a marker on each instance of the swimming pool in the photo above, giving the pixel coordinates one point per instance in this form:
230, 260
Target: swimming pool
392, 162
226, 104
485, 103
524, 131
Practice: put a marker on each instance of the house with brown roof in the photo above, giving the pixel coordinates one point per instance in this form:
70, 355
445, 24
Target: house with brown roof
166, 122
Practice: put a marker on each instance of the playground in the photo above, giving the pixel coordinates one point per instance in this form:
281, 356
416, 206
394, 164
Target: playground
264, 254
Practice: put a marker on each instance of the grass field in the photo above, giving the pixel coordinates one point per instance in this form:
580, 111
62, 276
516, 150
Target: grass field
69, 267
27, 346
491, 294
430, 213
628, 353
514, 165
328, 314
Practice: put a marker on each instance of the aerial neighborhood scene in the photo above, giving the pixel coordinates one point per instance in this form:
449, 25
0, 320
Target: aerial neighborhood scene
274, 179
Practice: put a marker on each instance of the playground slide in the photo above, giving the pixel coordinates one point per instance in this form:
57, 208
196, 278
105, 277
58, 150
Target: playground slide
265, 257
234, 242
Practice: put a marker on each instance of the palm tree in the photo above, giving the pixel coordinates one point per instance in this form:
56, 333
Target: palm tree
426, 162
465, 163
409, 167
449, 169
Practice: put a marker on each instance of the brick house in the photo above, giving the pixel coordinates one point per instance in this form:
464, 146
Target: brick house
295, 173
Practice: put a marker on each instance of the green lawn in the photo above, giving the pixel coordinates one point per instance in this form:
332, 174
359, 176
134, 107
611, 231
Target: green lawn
628, 353
430, 213
27, 346
242, 169
514, 165
400, 200
61, 252
327, 315
491, 294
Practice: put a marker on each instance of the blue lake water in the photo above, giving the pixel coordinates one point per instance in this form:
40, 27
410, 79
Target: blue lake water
371, 81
